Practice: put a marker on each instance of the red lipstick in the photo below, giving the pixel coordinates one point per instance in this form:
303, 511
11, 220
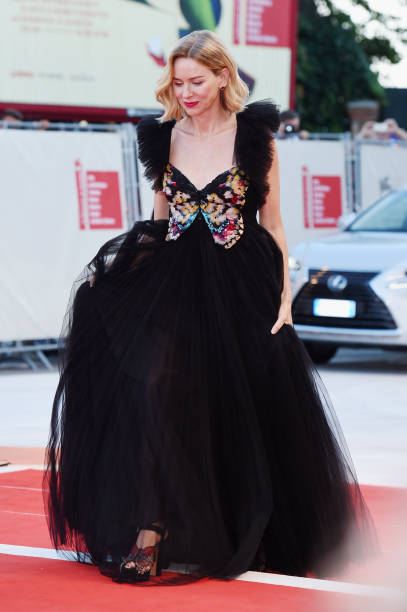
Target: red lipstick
190, 104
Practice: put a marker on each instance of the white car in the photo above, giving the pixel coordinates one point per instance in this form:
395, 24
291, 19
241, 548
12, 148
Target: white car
350, 289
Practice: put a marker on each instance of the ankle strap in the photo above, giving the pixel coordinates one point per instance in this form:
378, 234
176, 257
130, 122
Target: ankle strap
156, 528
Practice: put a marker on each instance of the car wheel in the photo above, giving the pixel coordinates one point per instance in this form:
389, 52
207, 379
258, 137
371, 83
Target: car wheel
320, 352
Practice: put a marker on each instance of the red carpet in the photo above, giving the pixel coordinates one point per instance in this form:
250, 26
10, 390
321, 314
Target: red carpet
60, 586
31, 583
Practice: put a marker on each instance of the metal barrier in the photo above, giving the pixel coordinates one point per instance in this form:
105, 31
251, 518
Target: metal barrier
127, 135
18, 354
32, 353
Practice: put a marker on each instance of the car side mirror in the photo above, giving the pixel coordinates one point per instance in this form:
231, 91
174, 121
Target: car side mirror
345, 220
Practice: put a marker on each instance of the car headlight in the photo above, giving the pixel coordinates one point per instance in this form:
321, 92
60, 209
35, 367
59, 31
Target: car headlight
294, 264
398, 283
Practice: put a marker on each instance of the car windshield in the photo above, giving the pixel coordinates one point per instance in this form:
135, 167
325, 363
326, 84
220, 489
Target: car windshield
389, 214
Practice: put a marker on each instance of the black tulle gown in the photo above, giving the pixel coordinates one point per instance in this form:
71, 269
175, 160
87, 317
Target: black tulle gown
175, 402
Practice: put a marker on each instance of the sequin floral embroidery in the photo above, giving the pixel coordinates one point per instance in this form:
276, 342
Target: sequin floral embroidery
183, 210
220, 203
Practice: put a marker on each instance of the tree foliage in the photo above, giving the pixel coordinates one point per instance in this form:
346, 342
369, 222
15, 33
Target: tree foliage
334, 61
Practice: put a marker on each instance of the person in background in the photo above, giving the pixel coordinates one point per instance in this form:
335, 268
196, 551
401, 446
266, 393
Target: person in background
11, 115
290, 126
386, 130
43, 124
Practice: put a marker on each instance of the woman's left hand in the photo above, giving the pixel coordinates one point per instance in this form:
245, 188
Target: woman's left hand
284, 316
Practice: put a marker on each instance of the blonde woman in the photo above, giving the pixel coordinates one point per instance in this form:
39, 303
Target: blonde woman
189, 425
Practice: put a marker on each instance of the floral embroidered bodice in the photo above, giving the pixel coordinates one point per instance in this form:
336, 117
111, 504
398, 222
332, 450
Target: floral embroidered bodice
220, 203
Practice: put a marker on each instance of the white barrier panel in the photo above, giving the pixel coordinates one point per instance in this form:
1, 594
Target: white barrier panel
61, 198
383, 167
312, 187
146, 193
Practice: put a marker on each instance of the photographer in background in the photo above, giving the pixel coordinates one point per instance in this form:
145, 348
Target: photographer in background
387, 130
290, 126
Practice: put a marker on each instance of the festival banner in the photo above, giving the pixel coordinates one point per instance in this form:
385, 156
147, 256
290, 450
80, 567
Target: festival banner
110, 53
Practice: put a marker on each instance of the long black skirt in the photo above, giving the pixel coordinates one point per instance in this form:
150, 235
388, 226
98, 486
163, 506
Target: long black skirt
176, 404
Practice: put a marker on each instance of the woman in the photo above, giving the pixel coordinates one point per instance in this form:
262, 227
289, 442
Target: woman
189, 424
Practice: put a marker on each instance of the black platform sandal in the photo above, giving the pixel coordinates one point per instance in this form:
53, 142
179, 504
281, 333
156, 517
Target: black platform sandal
110, 566
147, 561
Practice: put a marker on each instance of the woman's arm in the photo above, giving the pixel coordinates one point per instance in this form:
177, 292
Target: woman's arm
161, 208
270, 219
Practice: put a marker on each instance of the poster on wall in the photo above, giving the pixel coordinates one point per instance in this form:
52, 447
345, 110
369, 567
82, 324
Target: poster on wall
322, 199
98, 198
110, 53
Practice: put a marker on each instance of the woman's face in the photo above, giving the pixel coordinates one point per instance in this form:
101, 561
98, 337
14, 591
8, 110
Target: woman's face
196, 87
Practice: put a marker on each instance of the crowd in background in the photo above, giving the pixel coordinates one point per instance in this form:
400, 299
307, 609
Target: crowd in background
290, 126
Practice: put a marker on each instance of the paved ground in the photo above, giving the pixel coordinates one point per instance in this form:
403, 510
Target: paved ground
368, 389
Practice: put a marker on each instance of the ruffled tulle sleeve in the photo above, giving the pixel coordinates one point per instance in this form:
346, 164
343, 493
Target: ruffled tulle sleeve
153, 139
258, 123
264, 112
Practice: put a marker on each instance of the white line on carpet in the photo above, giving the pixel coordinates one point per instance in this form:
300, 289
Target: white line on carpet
31, 551
297, 582
19, 467
317, 584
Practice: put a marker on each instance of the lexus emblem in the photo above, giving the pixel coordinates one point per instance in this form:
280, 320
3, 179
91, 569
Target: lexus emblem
337, 282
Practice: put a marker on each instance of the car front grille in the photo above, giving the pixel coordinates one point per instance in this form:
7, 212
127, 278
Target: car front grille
371, 311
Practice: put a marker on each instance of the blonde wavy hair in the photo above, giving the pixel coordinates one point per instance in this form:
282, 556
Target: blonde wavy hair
206, 48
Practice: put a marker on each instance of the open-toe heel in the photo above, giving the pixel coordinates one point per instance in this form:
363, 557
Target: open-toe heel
147, 561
